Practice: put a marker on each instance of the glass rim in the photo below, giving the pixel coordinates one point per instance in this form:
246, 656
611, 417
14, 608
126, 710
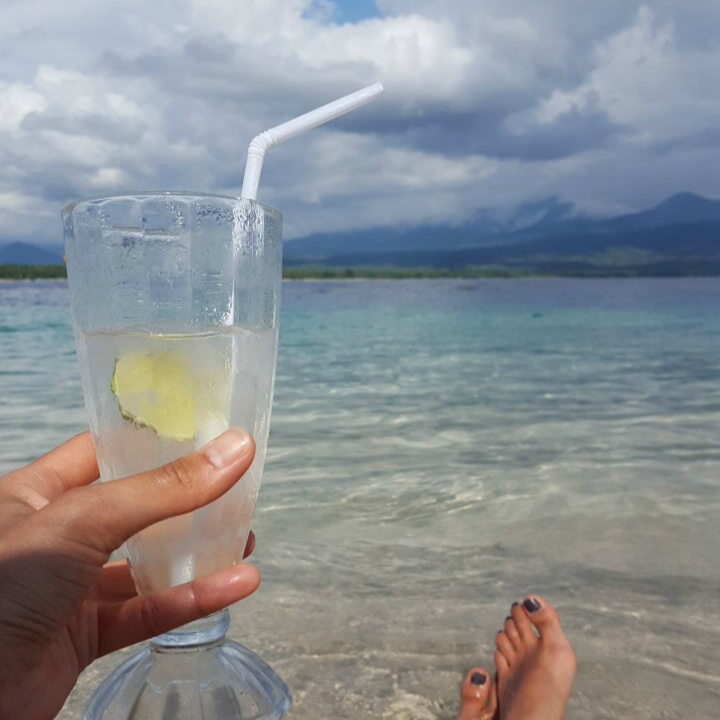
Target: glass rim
143, 194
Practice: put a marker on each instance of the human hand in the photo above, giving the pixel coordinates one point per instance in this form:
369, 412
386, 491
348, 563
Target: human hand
61, 605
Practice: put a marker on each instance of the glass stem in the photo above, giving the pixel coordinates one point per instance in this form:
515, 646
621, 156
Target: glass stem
206, 631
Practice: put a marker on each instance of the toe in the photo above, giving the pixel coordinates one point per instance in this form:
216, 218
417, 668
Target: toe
502, 666
477, 696
505, 647
523, 624
543, 616
512, 634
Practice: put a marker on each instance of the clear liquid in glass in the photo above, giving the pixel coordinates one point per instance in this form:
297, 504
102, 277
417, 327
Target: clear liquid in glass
226, 381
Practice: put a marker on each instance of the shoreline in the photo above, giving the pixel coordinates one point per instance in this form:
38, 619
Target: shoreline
381, 278
24, 273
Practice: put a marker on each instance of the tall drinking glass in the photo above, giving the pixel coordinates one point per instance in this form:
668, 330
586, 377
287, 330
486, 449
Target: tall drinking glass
175, 301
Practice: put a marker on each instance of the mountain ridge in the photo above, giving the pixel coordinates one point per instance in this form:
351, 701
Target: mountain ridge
680, 235
554, 220
22, 253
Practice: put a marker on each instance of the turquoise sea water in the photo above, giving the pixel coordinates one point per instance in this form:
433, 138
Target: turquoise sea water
440, 448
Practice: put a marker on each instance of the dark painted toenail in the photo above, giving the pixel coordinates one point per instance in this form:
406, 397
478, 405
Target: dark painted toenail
509, 617
478, 679
531, 605
515, 604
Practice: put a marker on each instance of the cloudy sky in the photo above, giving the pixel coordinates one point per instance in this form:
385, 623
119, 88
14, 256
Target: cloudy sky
611, 105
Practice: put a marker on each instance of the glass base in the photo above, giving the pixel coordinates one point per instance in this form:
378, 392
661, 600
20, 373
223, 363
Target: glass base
195, 674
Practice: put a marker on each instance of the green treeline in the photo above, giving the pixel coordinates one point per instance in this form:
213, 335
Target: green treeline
31, 272
325, 272
539, 268
304, 272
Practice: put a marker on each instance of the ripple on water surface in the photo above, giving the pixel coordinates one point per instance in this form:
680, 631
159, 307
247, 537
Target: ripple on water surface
439, 449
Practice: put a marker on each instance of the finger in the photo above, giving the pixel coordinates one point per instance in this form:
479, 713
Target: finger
115, 583
145, 616
249, 545
70, 465
104, 516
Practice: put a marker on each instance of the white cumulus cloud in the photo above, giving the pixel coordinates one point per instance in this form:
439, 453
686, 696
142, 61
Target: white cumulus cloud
490, 104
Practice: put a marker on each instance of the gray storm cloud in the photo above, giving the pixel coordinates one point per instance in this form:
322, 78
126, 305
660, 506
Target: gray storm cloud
609, 106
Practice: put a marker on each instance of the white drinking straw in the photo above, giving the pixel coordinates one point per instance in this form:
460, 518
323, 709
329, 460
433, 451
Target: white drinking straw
291, 128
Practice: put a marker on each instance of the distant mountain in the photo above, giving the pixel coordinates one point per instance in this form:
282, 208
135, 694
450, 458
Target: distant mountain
483, 231
539, 214
20, 253
480, 232
697, 241
548, 218
679, 236
678, 209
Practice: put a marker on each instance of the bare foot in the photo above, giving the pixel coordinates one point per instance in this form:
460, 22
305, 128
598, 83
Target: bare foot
478, 699
534, 674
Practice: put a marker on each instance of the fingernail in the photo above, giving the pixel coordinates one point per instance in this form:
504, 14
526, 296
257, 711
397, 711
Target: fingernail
478, 678
531, 605
228, 448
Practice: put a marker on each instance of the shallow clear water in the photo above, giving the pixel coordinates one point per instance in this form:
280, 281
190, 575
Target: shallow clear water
437, 450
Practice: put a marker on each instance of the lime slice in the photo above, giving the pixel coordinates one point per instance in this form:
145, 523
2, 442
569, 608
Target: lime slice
157, 391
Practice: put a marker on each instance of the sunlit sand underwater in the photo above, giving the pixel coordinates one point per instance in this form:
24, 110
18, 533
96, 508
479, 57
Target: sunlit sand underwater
440, 448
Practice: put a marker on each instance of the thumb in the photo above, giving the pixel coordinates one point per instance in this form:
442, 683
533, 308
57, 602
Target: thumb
103, 516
